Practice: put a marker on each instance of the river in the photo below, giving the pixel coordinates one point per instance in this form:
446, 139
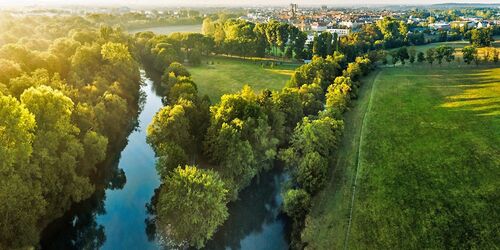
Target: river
115, 217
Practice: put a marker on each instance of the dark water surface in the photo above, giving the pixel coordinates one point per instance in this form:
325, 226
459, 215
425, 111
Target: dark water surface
115, 216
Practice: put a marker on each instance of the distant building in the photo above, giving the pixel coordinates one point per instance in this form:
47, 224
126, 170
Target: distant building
339, 32
350, 24
318, 27
293, 9
310, 39
483, 24
440, 26
304, 27
461, 24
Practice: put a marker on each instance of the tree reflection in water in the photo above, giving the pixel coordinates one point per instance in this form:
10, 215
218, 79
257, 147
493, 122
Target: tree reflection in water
78, 228
258, 209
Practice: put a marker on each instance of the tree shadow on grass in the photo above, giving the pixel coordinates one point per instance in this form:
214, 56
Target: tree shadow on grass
477, 91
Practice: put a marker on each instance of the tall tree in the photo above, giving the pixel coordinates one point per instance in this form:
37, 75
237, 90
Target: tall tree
22, 203
56, 149
191, 205
403, 55
430, 55
469, 53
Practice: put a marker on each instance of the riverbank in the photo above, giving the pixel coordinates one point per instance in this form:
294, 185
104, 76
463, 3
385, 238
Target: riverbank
115, 217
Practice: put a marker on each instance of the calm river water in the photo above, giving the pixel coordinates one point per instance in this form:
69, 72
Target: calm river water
115, 217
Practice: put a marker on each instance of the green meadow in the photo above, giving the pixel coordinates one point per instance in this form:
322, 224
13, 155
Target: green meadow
424, 150
221, 75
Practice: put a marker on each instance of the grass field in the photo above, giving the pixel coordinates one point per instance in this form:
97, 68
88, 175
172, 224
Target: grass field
429, 164
229, 75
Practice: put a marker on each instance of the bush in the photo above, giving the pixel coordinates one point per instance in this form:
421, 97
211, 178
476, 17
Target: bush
296, 203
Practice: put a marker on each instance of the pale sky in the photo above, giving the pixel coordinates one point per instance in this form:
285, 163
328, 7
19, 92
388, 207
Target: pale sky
233, 2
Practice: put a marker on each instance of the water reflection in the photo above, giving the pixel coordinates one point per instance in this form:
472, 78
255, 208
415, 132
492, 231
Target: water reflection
255, 220
78, 228
119, 214
113, 217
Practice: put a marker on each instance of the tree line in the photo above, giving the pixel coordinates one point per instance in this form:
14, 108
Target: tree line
239, 37
470, 54
66, 104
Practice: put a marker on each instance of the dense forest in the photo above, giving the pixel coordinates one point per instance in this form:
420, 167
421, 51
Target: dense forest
69, 95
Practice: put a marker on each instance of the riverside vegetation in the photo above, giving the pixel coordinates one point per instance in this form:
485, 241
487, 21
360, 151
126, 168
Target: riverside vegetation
70, 95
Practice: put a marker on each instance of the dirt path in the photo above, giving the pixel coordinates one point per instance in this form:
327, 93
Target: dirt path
358, 161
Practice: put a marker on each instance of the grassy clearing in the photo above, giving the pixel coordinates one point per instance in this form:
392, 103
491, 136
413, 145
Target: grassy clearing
430, 165
229, 75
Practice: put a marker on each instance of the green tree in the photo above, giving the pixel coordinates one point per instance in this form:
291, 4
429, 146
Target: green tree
312, 96
8, 70
318, 46
320, 71
191, 205
338, 95
420, 57
449, 54
296, 203
115, 52
430, 55
261, 39
469, 53
403, 55
208, 27
494, 56
109, 114
94, 145
395, 57
481, 37
234, 157
322, 45
239, 139
185, 89
170, 125
282, 35
56, 149
440, 54
312, 172
312, 143
22, 203
412, 53
178, 70
34, 79
289, 102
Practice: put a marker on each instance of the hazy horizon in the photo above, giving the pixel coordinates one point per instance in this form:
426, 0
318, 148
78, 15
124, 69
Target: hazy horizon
194, 3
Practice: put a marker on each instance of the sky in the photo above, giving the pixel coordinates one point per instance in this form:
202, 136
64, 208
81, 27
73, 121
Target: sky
233, 2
